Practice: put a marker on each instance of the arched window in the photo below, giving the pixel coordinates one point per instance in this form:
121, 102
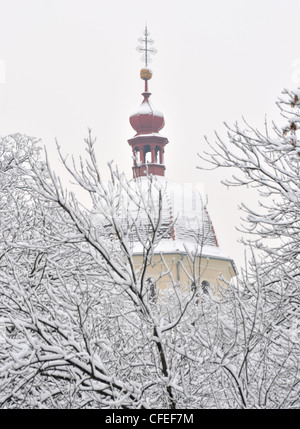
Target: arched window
147, 154
157, 155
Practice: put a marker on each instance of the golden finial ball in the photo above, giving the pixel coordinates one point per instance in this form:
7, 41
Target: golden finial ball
146, 73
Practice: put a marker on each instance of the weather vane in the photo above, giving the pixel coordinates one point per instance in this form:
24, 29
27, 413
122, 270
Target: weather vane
145, 47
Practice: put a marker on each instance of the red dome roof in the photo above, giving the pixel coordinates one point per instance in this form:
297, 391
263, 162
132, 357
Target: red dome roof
147, 120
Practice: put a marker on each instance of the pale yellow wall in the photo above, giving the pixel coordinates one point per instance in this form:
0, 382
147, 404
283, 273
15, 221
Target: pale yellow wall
180, 268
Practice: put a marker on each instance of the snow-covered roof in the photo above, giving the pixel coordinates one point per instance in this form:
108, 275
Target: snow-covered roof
184, 225
182, 209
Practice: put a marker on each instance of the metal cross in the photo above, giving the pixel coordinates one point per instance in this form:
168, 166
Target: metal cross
145, 42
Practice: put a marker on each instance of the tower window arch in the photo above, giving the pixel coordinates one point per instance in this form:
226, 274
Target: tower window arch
147, 154
157, 155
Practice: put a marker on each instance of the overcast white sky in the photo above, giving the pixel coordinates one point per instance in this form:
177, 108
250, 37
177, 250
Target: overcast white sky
72, 64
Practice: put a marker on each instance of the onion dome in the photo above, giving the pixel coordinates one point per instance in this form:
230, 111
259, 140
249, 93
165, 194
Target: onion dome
147, 144
147, 119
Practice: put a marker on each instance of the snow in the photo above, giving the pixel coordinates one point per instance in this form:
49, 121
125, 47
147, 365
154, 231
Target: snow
146, 108
85, 333
148, 135
182, 204
2, 331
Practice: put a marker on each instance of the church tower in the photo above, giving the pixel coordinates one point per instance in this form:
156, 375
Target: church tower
147, 145
186, 228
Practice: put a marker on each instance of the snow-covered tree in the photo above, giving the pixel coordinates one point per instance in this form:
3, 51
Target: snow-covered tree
83, 327
269, 163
